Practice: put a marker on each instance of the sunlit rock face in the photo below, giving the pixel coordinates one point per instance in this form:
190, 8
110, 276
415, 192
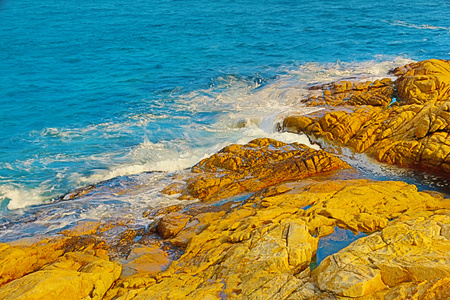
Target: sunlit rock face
264, 247
60, 268
248, 168
345, 92
412, 132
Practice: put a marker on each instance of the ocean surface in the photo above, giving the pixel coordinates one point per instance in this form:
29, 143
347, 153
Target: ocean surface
129, 92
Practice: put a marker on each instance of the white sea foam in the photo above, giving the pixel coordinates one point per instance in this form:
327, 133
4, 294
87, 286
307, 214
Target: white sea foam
417, 26
237, 110
20, 197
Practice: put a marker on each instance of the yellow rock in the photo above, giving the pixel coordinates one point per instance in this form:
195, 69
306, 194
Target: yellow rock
377, 93
424, 81
404, 251
261, 163
74, 276
172, 223
260, 249
438, 289
415, 133
146, 260
16, 261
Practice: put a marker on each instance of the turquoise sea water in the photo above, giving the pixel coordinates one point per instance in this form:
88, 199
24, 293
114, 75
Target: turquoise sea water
94, 90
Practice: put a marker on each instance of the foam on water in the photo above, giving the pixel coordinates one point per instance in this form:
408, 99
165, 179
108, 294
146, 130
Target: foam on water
132, 160
20, 197
417, 26
194, 125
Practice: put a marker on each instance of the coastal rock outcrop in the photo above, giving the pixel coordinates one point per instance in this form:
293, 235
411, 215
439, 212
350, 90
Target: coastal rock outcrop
264, 247
345, 92
260, 245
423, 82
49, 269
410, 250
413, 132
266, 209
261, 163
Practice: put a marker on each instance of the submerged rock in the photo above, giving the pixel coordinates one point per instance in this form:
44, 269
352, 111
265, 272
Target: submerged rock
413, 133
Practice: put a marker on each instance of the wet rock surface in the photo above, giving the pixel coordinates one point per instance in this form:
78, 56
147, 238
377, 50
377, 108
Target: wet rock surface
264, 247
346, 92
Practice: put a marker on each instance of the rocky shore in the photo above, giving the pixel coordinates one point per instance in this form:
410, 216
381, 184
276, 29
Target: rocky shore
268, 210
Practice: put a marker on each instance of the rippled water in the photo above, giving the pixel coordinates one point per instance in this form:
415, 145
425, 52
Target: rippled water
94, 90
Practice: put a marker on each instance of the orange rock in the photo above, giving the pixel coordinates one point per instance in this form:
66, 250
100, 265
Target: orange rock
16, 261
261, 163
424, 82
73, 276
263, 248
415, 133
146, 260
437, 289
172, 223
377, 93
404, 251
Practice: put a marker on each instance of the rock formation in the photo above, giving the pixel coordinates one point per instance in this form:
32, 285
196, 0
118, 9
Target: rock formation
263, 248
61, 268
261, 163
265, 210
412, 132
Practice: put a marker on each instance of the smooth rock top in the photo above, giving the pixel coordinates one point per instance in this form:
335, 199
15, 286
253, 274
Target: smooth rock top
263, 248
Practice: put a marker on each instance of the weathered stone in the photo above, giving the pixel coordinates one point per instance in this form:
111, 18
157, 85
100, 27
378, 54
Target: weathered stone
259, 249
423, 82
376, 93
261, 163
16, 261
195, 225
146, 260
437, 289
72, 276
262, 247
172, 223
405, 251
415, 133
